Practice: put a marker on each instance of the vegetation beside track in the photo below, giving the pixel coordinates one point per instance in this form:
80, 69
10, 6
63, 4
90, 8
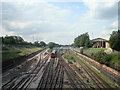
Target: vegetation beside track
98, 54
108, 59
98, 73
71, 57
91, 51
97, 48
11, 52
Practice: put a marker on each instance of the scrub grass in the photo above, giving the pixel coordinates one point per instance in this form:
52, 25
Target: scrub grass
71, 59
97, 48
13, 52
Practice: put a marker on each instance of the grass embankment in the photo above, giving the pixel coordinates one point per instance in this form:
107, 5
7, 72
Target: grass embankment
97, 48
72, 58
90, 51
13, 52
99, 55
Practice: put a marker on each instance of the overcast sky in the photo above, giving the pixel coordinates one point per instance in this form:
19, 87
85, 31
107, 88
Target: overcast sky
59, 22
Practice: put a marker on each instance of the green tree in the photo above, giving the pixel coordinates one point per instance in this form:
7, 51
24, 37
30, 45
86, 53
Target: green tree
52, 44
72, 44
12, 40
42, 44
9, 40
82, 41
115, 40
76, 42
36, 43
19, 41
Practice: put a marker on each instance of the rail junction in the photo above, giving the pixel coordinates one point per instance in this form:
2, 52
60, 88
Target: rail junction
54, 73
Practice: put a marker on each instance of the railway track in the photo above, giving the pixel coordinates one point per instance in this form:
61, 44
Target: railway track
98, 82
26, 79
50, 73
111, 74
75, 80
18, 60
53, 75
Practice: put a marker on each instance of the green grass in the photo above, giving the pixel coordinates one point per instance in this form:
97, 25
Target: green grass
67, 56
97, 48
13, 52
91, 51
9, 48
71, 59
6, 56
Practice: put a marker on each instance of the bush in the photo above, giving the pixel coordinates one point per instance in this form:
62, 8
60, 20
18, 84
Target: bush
102, 57
115, 59
108, 59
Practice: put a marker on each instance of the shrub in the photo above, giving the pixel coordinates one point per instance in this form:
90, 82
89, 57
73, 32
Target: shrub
115, 59
102, 57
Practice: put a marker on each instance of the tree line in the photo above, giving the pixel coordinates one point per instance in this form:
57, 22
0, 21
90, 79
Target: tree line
82, 40
14, 40
17, 40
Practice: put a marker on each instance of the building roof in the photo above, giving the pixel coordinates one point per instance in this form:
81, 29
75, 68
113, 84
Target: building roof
99, 39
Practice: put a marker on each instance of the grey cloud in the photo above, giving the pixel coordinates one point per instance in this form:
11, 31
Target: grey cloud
34, 27
107, 13
47, 22
10, 12
112, 26
102, 10
38, 11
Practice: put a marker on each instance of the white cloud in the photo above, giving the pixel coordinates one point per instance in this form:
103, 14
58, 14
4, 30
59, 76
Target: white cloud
56, 0
113, 26
102, 10
106, 32
109, 29
18, 24
21, 25
5, 32
107, 37
24, 1
99, 0
36, 11
49, 22
76, 7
